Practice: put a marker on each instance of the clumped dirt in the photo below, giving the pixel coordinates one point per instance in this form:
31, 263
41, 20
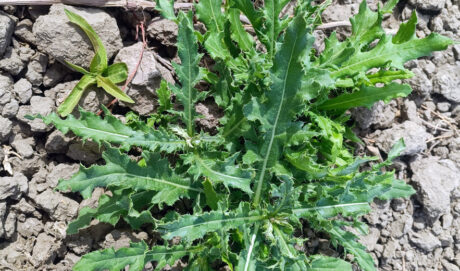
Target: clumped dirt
421, 233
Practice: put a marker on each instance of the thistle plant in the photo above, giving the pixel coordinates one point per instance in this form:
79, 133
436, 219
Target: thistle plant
99, 73
282, 157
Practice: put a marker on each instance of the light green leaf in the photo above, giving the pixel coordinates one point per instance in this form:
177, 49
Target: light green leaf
239, 34
117, 73
283, 102
121, 171
164, 97
188, 72
99, 62
406, 31
192, 227
113, 89
77, 68
166, 8
74, 97
325, 263
366, 96
211, 195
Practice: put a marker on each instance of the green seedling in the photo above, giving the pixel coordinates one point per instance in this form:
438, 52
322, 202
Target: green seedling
281, 159
99, 73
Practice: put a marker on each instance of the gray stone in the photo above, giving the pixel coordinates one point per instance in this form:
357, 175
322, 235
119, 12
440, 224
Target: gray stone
36, 68
370, 240
10, 109
211, 114
57, 142
10, 225
13, 187
23, 31
6, 31
87, 152
6, 88
428, 5
425, 240
163, 30
2, 218
435, 180
443, 107
61, 172
447, 82
11, 62
401, 225
145, 82
409, 111
380, 115
45, 249
54, 74
5, 131
80, 244
420, 82
57, 206
23, 146
30, 227
415, 137
23, 90
38, 105
449, 266
68, 42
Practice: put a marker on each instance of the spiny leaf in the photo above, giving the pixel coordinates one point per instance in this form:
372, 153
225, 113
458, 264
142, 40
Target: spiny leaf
190, 228
164, 97
110, 129
166, 8
121, 171
188, 72
74, 97
324, 263
283, 102
366, 96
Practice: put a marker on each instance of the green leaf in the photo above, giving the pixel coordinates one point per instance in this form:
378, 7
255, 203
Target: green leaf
324, 263
164, 97
188, 72
366, 96
226, 173
74, 97
121, 171
117, 73
192, 227
77, 68
211, 195
113, 89
135, 256
282, 102
99, 62
273, 24
166, 8
406, 31
388, 76
110, 129
239, 34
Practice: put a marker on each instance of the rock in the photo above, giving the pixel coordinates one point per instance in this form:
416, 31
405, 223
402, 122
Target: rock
449, 266
435, 180
415, 137
2, 218
380, 115
24, 207
68, 42
370, 240
6, 88
38, 105
57, 206
30, 227
45, 249
23, 90
447, 82
36, 68
147, 78
119, 239
13, 187
80, 244
163, 30
23, 146
211, 114
425, 240
6, 31
54, 74
27, 166
87, 152
57, 142
61, 172
335, 13
10, 225
428, 5
5, 131
443, 107
23, 31
10, 109
420, 82
401, 225
11, 62
409, 111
